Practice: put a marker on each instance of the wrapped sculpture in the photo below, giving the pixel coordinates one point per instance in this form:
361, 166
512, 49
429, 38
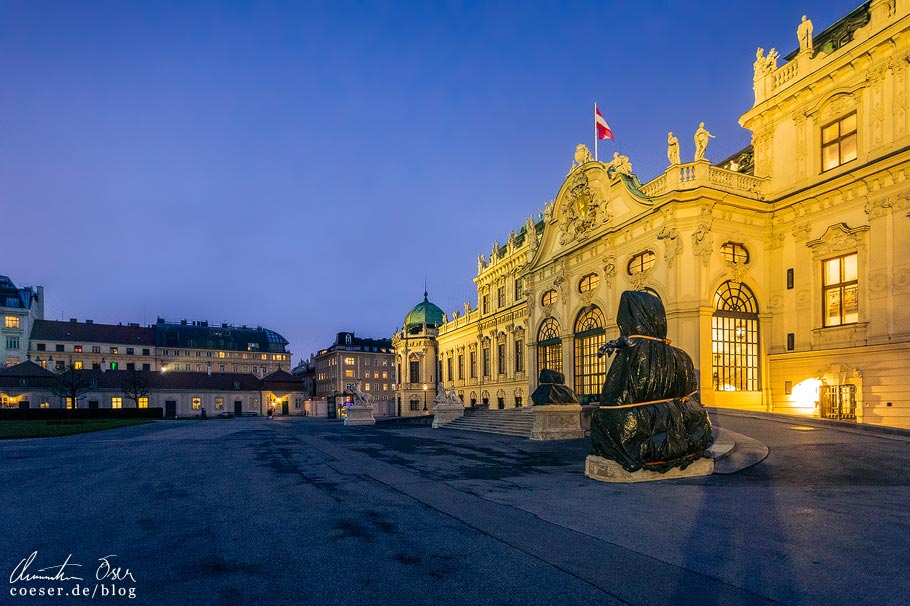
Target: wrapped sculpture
649, 417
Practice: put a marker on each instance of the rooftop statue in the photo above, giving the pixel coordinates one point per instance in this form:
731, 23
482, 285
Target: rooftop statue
672, 149
582, 154
621, 164
701, 141
649, 415
804, 34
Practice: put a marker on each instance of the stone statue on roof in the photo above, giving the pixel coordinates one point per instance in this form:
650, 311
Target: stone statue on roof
481, 263
701, 141
804, 34
531, 232
621, 164
672, 149
582, 154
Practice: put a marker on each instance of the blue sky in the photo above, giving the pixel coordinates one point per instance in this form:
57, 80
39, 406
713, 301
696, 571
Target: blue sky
306, 165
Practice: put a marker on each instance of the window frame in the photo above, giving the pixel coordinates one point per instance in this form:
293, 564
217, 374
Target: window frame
838, 140
840, 286
644, 258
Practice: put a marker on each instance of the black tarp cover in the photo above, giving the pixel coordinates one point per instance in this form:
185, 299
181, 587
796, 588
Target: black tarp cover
672, 431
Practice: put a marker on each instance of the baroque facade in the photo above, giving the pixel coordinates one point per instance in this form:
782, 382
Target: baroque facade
782, 268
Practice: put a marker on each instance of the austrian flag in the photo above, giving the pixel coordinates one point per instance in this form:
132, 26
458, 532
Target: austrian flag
603, 129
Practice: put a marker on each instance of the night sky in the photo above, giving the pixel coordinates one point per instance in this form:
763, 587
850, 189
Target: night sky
305, 166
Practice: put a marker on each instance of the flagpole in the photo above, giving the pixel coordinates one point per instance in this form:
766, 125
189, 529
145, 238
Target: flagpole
595, 131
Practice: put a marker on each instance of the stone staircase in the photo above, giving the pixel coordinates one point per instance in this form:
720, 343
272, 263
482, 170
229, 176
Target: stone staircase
516, 422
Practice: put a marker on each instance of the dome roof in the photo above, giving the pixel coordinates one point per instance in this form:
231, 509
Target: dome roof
423, 313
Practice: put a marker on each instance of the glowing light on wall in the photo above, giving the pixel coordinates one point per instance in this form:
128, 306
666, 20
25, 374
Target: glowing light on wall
805, 395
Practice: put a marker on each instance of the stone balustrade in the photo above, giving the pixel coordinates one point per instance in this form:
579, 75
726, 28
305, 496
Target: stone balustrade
683, 177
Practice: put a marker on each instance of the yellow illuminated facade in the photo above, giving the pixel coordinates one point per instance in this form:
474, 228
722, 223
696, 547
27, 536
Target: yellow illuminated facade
783, 269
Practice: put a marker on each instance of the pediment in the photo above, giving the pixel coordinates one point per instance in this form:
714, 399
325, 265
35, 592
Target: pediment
593, 197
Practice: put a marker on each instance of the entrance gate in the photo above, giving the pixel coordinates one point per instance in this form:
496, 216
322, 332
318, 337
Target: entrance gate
839, 402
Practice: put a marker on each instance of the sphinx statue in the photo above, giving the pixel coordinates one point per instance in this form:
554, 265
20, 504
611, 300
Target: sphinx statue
649, 415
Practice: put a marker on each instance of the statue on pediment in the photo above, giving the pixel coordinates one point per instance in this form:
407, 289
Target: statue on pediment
582, 154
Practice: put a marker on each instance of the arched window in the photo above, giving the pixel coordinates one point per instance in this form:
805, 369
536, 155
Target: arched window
734, 339
590, 369
641, 262
549, 298
588, 283
549, 346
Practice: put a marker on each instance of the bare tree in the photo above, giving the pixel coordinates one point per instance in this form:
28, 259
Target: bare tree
135, 385
72, 384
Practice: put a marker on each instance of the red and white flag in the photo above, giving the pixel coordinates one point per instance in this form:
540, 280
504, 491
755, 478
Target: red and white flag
603, 129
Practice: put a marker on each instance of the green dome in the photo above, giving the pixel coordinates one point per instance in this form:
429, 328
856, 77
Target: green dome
423, 313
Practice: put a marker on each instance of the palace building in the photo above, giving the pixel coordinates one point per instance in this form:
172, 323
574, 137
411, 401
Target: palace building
167, 346
783, 269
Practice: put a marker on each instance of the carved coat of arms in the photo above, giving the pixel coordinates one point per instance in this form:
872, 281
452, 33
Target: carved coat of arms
579, 210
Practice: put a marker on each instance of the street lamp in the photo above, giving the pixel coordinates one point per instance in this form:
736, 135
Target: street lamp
424, 397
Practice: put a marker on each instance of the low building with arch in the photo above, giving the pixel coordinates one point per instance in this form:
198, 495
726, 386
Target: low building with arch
782, 268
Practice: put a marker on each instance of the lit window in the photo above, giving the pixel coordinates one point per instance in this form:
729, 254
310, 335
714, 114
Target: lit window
549, 298
590, 369
116, 402
12, 322
366, 387
219, 403
114, 365
549, 346
77, 365
839, 142
641, 262
839, 290
349, 374
349, 361
588, 283
143, 403
734, 339
733, 252
114, 350
77, 349
197, 403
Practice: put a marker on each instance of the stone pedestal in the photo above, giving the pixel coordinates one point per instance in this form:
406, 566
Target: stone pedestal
360, 415
605, 470
446, 413
557, 422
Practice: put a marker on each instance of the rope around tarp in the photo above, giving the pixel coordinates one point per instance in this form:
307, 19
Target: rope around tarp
637, 404
667, 341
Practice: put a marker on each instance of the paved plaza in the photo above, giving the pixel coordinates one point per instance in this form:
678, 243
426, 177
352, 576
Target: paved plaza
307, 511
